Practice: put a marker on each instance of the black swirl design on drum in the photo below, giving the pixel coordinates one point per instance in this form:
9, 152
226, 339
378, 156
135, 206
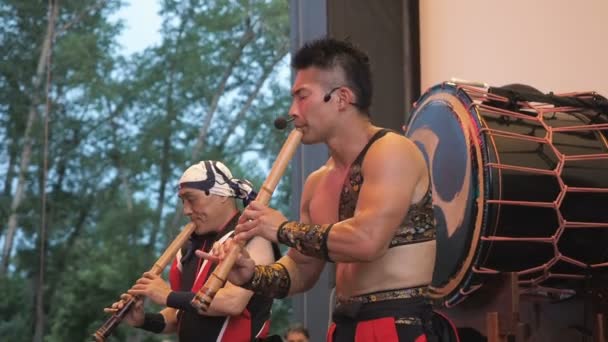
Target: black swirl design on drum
443, 135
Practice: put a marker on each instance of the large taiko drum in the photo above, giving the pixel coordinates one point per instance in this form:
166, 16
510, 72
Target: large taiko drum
515, 188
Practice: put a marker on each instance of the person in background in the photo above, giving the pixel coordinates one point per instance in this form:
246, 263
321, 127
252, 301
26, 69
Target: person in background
296, 333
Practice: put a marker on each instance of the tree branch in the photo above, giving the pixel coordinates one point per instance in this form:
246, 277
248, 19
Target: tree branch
258, 86
27, 148
40, 311
97, 5
247, 37
170, 117
118, 160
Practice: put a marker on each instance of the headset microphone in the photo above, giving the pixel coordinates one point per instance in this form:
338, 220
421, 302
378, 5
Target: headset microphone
281, 122
327, 97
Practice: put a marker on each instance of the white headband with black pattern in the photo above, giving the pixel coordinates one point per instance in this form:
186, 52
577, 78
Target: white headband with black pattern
213, 177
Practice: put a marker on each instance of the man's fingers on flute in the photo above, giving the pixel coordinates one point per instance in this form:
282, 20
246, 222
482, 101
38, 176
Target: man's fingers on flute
244, 236
217, 249
251, 213
248, 214
137, 291
149, 275
115, 307
255, 205
207, 256
250, 224
242, 218
138, 287
143, 280
247, 228
227, 246
239, 237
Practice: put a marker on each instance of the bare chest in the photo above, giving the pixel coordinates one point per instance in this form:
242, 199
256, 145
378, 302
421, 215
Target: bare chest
325, 200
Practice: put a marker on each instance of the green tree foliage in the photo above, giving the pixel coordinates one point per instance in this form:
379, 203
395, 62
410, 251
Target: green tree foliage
121, 131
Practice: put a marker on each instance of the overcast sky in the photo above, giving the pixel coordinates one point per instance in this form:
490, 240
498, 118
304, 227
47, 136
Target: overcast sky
141, 25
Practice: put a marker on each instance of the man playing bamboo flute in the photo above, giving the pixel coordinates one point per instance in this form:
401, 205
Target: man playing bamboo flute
208, 192
368, 209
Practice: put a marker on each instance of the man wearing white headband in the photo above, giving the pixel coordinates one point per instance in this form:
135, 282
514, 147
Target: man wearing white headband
208, 193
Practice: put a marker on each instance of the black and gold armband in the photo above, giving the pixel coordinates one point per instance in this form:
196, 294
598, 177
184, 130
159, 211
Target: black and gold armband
308, 239
270, 281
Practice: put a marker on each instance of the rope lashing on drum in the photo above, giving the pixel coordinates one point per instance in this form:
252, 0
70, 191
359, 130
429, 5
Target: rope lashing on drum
535, 277
520, 92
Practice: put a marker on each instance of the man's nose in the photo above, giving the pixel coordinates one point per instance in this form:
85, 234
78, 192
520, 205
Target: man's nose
186, 209
293, 110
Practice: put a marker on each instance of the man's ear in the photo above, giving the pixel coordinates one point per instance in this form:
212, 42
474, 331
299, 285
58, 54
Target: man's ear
345, 97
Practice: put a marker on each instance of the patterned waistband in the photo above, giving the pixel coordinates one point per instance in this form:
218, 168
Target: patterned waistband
413, 292
408, 321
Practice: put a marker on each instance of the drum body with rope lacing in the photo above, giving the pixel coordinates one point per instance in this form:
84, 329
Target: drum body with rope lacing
515, 190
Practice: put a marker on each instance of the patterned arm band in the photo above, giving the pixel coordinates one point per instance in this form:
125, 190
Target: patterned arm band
308, 239
270, 281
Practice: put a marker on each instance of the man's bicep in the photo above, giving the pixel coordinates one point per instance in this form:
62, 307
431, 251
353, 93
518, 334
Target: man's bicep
390, 183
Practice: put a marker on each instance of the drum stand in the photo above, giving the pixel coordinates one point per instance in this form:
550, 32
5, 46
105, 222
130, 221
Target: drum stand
498, 307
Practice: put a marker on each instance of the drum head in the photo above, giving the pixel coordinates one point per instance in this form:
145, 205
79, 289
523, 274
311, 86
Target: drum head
445, 126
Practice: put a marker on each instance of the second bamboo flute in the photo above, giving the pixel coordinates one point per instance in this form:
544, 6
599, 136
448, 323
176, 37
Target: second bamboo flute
111, 323
216, 281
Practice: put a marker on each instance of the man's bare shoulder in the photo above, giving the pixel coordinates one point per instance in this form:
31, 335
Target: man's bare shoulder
397, 146
314, 177
397, 151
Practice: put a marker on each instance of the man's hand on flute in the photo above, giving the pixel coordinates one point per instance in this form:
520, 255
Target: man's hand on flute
153, 287
135, 316
258, 220
242, 270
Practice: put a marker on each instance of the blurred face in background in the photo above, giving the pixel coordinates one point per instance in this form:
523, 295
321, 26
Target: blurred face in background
296, 336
